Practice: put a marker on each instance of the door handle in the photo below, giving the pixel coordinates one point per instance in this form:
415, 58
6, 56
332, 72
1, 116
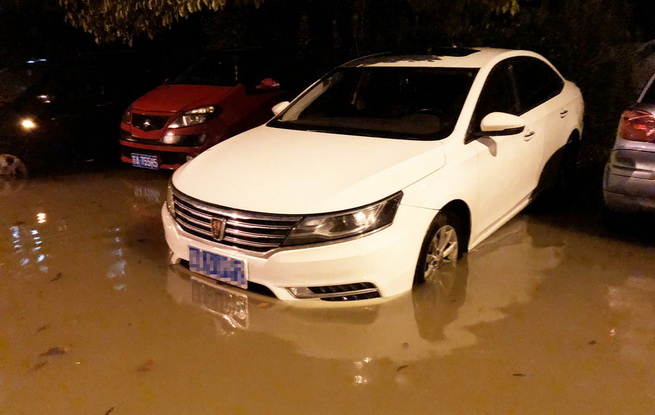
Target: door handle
528, 136
563, 113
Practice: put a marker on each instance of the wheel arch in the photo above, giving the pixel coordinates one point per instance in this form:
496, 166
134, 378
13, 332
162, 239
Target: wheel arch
462, 214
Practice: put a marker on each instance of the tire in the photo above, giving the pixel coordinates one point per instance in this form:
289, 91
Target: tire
12, 166
566, 177
441, 249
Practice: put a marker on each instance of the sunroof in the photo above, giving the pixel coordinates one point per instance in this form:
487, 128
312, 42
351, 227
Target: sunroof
454, 52
429, 54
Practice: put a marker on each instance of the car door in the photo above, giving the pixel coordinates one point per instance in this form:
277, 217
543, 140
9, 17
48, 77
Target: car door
539, 87
507, 165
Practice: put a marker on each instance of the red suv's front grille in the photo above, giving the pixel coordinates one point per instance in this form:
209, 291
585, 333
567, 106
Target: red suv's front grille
149, 122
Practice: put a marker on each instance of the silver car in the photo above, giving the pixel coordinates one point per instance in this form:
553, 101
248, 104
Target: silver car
629, 181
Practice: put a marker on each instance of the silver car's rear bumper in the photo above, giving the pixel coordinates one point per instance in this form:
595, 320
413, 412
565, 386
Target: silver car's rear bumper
629, 189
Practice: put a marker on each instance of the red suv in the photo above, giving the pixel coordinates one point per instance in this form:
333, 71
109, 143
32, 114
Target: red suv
224, 94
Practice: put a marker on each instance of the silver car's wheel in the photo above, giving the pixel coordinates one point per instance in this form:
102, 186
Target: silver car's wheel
440, 251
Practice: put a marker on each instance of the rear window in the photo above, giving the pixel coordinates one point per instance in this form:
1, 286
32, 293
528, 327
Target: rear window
414, 103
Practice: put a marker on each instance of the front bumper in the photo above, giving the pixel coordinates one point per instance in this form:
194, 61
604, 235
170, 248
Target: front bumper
170, 158
386, 259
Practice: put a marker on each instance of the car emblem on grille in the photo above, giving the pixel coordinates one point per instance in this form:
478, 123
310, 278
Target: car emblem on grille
147, 123
218, 228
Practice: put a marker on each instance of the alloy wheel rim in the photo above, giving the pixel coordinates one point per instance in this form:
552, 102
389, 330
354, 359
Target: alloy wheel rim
443, 250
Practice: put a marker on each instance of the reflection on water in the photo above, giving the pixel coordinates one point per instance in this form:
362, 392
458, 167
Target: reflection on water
633, 305
27, 246
230, 307
433, 320
46, 229
10, 185
118, 266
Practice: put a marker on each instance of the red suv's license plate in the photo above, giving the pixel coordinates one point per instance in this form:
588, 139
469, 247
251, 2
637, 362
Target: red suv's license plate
145, 161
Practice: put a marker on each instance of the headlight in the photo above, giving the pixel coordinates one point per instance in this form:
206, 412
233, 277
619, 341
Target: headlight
127, 115
169, 199
45, 98
194, 116
28, 124
323, 228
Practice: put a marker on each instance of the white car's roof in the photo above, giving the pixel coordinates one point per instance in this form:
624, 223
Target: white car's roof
440, 58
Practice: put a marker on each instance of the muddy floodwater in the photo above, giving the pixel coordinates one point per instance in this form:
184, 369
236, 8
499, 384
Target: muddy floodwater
553, 314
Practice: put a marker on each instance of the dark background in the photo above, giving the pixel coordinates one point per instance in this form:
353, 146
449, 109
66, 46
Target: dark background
599, 44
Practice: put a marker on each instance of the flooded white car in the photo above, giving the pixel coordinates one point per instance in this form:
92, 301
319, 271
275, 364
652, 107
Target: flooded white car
383, 172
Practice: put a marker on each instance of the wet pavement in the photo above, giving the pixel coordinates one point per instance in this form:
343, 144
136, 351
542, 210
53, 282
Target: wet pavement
553, 314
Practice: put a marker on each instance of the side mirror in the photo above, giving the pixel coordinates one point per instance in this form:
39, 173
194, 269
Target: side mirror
501, 123
268, 84
279, 107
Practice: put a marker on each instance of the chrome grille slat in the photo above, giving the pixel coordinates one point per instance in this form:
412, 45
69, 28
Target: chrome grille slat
252, 244
195, 213
238, 233
189, 219
250, 231
238, 224
196, 229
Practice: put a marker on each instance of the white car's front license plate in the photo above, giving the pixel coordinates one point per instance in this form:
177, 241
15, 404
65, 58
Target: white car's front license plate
229, 270
145, 161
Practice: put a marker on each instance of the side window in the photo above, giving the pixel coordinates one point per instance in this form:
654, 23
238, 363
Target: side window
497, 96
536, 82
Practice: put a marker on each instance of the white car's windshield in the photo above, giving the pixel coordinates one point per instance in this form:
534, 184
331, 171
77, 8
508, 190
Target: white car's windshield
396, 102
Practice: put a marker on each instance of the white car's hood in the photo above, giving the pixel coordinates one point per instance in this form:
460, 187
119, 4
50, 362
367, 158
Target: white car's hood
283, 171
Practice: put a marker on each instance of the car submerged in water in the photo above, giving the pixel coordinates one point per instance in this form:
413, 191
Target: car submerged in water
378, 177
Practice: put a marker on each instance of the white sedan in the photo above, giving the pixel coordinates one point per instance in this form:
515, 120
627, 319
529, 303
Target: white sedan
376, 177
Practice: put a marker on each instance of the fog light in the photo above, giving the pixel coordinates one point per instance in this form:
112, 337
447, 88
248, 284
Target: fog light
170, 138
300, 292
28, 124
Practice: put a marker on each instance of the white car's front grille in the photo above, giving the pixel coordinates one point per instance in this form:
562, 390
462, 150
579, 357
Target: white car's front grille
251, 231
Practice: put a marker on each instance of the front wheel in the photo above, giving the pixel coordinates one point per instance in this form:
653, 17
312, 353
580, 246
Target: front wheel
440, 250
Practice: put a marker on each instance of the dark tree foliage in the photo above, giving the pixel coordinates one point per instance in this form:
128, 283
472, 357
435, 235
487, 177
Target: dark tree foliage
125, 19
34, 28
593, 42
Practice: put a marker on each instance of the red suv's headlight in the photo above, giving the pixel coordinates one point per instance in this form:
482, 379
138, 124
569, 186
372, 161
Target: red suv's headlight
127, 116
195, 116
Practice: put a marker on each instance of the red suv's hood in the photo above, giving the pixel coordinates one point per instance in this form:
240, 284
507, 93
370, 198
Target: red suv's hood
174, 98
